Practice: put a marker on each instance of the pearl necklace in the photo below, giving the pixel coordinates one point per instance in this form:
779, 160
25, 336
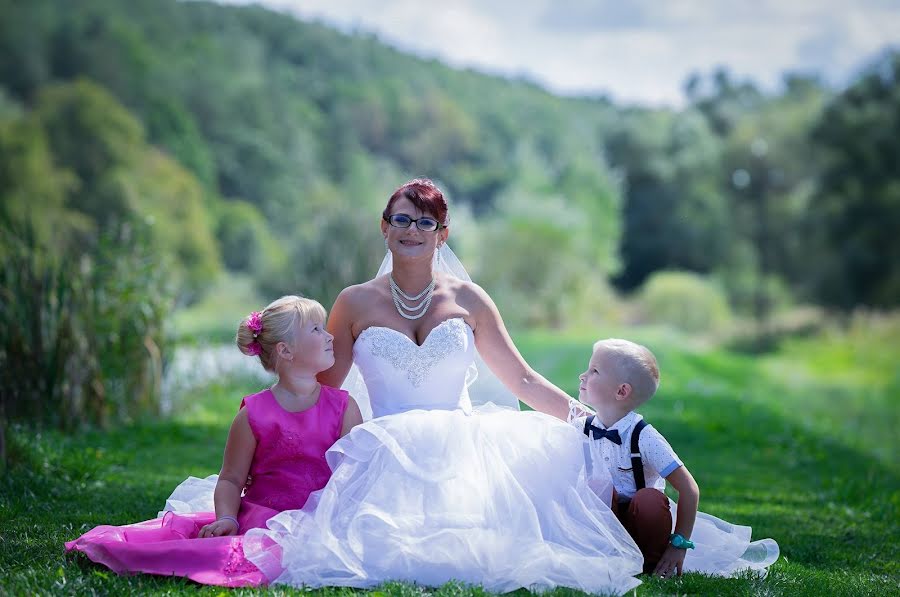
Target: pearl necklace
409, 312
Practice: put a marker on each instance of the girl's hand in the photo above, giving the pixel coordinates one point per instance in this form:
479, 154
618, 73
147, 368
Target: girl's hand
671, 562
219, 528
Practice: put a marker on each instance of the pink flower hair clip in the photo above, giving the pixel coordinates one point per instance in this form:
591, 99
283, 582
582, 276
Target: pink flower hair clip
254, 322
254, 349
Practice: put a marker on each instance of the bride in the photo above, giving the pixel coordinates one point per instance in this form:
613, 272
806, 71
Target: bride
432, 489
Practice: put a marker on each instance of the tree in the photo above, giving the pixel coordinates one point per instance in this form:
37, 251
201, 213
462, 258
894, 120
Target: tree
769, 167
857, 202
111, 179
674, 216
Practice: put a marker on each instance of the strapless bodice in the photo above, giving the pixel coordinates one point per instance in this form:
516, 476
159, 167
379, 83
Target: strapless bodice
401, 375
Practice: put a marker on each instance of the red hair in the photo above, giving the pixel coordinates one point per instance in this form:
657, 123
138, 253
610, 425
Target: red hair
424, 195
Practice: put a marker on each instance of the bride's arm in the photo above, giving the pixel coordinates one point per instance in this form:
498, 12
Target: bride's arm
501, 355
340, 325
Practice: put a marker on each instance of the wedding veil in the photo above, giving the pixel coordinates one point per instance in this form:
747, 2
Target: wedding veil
483, 386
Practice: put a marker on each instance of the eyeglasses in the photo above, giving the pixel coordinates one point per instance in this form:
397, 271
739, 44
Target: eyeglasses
404, 221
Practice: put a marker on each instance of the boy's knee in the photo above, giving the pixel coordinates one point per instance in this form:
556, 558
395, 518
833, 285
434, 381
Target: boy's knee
650, 524
649, 497
651, 506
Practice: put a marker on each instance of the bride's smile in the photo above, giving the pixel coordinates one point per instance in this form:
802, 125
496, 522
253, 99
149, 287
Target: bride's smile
410, 232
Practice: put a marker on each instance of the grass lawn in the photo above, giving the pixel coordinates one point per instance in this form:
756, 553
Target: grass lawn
801, 445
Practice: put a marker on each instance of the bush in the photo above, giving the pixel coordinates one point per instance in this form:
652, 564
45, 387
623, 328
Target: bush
241, 231
335, 245
684, 301
81, 337
541, 261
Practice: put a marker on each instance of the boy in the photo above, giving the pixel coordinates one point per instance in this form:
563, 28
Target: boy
621, 376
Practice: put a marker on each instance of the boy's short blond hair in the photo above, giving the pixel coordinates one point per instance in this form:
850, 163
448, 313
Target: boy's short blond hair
633, 364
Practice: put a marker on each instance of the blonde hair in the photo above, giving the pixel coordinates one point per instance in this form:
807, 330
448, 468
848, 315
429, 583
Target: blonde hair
632, 364
278, 321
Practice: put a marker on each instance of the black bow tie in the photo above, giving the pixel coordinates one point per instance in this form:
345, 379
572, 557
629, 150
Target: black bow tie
610, 434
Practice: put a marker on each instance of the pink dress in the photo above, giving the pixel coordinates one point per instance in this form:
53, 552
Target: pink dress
288, 465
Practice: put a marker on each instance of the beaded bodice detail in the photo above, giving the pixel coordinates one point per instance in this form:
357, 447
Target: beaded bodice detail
401, 375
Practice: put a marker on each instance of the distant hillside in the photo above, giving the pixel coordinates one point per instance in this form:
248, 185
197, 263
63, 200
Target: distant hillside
264, 107
296, 133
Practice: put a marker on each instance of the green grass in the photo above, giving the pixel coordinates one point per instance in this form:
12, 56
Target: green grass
800, 445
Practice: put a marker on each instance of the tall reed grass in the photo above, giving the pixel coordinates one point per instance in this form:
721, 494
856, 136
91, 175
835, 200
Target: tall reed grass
82, 339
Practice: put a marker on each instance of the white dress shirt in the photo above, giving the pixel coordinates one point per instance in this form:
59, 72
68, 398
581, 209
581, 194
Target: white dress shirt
657, 455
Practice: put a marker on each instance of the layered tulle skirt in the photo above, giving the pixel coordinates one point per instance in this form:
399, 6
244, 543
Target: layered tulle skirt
496, 498
725, 549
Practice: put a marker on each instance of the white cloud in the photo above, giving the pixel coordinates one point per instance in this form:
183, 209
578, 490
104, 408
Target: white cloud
639, 51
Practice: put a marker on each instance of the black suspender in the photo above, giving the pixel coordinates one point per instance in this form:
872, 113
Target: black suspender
637, 465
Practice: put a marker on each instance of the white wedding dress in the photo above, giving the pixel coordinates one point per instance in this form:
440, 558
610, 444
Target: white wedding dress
433, 490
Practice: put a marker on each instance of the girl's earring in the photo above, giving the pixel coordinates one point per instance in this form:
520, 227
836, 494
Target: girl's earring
385, 245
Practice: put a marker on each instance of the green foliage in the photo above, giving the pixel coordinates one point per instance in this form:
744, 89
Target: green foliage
851, 378
334, 246
37, 306
674, 216
751, 291
79, 164
685, 301
724, 187
271, 110
857, 203
9, 108
100, 232
172, 202
542, 260
160, 109
170, 125
81, 337
241, 231
92, 136
25, 45
772, 167
32, 184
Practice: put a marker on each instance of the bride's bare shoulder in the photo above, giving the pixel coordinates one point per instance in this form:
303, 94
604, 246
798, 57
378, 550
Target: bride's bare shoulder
468, 294
358, 296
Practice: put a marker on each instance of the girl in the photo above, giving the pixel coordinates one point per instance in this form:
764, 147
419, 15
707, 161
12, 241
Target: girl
279, 437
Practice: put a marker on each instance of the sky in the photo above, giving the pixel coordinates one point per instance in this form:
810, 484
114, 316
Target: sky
639, 51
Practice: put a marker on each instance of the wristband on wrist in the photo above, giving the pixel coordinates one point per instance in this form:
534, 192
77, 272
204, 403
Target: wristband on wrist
679, 542
237, 525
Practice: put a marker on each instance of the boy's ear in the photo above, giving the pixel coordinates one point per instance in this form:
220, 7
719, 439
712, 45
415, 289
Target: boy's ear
623, 391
